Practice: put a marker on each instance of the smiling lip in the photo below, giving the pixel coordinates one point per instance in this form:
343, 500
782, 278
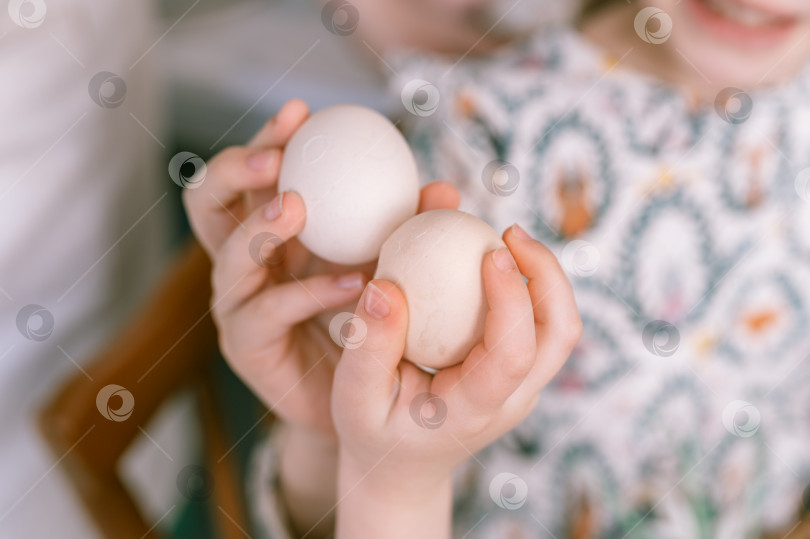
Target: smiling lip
772, 30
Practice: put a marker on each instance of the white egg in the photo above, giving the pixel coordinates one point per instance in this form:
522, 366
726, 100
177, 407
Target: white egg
358, 179
435, 258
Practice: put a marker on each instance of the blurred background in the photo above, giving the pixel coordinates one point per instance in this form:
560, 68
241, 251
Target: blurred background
97, 98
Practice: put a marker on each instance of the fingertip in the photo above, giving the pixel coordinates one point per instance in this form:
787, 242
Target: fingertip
518, 239
503, 260
381, 299
439, 195
383, 307
498, 266
375, 303
391, 291
281, 126
518, 232
508, 301
523, 246
293, 111
293, 200
449, 192
294, 207
372, 365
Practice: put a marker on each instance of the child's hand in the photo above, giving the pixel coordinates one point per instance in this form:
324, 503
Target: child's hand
397, 445
265, 303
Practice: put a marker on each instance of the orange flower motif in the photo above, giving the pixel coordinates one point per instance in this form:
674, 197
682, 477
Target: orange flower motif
755, 193
760, 321
465, 105
572, 194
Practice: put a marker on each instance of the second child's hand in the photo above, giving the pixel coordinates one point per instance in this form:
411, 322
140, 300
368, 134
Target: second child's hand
394, 474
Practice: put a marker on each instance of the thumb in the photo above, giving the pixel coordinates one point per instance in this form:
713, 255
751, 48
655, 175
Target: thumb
367, 376
438, 196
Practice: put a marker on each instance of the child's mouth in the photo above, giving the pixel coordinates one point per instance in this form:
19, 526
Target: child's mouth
743, 24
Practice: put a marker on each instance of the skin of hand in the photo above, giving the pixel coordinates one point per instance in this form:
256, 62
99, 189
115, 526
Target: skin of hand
273, 319
394, 474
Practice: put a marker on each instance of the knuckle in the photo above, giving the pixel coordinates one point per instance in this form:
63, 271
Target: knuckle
516, 365
478, 424
572, 328
268, 304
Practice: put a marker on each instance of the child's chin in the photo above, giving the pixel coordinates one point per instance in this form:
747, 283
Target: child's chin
722, 64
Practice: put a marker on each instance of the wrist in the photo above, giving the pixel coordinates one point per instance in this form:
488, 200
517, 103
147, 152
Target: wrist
308, 478
309, 440
378, 502
306, 457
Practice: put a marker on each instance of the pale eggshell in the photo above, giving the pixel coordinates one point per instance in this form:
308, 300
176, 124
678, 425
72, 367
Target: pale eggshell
357, 177
435, 258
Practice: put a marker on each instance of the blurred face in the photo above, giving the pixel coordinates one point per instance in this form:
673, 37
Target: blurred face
743, 43
442, 26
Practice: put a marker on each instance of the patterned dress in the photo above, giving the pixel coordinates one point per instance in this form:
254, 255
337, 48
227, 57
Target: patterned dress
684, 412
684, 227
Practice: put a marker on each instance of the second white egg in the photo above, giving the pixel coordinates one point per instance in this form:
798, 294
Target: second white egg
435, 258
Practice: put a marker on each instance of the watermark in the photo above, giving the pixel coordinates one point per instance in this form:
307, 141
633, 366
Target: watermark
428, 410
741, 418
348, 330
508, 491
420, 98
802, 184
267, 249
500, 178
123, 411
107, 90
340, 17
27, 13
316, 148
195, 483
580, 258
35, 322
661, 338
733, 105
653, 25
187, 170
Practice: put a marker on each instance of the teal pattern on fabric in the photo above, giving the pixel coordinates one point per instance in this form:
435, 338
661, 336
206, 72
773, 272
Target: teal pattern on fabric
661, 213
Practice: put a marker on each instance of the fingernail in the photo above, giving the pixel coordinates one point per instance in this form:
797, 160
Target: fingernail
375, 302
503, 260
350, 280
274, 208
520, 233
261, 160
